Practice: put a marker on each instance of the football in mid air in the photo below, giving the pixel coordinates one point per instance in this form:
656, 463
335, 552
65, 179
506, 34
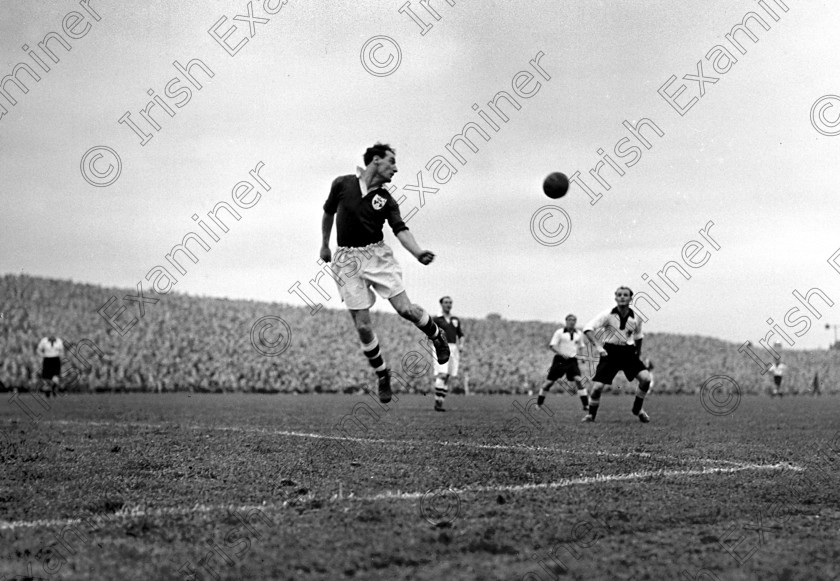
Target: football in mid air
556, 185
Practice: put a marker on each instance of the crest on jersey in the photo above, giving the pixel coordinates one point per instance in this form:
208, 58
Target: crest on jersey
378, 202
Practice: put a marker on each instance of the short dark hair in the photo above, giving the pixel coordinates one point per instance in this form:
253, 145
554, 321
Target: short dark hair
378, 150
627, 288
443, 298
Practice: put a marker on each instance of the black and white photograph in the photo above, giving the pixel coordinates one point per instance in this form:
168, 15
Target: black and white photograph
419, 290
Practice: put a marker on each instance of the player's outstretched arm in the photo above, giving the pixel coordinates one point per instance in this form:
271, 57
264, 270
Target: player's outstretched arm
326, 231
591, 336
406, 238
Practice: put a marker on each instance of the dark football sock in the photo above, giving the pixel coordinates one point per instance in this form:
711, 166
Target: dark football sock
430, 328
374, 356
640, 400
440, 390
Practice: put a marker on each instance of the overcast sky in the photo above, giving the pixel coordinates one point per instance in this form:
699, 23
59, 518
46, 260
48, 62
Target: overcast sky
297, 98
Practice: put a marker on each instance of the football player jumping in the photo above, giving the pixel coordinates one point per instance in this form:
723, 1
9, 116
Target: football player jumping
360, 206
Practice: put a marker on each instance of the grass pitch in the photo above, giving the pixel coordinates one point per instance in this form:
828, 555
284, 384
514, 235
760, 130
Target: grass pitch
181, 486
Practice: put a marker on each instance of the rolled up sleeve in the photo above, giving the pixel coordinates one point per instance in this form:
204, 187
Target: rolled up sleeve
394, 218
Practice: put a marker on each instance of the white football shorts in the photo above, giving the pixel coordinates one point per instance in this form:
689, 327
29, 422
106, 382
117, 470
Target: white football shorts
450, 367
360, 271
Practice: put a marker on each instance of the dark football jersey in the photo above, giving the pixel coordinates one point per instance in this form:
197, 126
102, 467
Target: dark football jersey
452, 328
360, 219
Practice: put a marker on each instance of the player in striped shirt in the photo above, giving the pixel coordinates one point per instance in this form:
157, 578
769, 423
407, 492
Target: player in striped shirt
51, 349
454, 331
565, 343
617, 334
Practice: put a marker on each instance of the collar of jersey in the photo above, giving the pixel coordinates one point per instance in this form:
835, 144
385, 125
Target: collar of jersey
630, 313
362, 185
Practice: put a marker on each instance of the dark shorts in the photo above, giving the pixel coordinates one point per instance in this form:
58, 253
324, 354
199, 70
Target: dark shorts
777, 379
618, 358
562, 365
51, 368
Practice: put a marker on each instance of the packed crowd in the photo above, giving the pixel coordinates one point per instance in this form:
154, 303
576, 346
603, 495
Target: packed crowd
201, 344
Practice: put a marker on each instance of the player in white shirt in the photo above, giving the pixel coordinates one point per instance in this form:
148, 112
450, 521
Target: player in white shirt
565, 343
617, 334
52, 350
778, 368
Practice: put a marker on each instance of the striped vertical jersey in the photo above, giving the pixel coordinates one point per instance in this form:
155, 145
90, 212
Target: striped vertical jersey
610, 327
451, 328
566, 342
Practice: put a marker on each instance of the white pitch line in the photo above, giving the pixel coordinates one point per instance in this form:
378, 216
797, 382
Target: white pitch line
518, 447
133, 513
127, 514
585, 480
